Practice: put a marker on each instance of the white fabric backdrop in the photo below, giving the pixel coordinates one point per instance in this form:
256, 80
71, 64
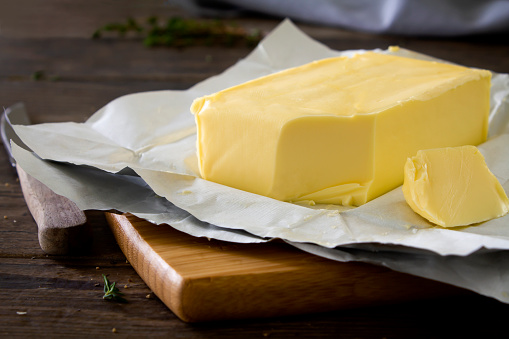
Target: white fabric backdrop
402, 17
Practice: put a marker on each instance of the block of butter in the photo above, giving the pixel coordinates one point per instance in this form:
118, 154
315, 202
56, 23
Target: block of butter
453, 186
337, 130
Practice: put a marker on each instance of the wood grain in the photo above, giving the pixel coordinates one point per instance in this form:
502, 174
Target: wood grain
59, 294
74, 19
204, 280
103, 60
62, 226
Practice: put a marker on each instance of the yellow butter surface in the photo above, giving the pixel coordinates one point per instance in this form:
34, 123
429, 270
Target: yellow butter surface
453, 187
338, 130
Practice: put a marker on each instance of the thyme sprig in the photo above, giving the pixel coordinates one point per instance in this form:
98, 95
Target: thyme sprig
111, 292
179, 32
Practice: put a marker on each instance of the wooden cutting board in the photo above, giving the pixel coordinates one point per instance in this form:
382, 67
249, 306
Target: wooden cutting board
203, 280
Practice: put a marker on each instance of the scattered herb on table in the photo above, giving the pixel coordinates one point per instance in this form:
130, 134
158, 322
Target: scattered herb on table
37, 75
111, 292
179, 32
41, 75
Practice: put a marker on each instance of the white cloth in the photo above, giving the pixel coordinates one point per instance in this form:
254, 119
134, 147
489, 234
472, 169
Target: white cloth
402, 17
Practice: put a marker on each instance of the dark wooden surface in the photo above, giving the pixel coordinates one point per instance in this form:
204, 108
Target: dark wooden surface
48, 296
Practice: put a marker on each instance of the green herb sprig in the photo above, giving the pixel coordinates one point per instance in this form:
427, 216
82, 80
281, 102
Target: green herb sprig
179, 32
111, 292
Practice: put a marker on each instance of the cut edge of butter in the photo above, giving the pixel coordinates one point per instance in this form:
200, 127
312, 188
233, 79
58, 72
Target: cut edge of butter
453, 186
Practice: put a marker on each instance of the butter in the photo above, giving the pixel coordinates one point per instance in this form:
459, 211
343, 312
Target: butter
338, 130
453, 187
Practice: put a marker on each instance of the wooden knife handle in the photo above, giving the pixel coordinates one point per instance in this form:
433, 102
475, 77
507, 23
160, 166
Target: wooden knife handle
62, 226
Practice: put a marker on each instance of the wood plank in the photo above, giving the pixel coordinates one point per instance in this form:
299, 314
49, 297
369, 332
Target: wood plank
83, 59
62, 296
204, 280
71, 60
29, 18
77, 84
63, 101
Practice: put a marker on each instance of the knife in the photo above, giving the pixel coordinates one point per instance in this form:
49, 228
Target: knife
62, 226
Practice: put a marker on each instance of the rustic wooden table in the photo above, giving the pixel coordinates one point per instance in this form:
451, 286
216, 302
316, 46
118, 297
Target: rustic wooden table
49, 61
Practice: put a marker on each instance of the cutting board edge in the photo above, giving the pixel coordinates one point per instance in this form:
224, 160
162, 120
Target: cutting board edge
261, 295
169, 294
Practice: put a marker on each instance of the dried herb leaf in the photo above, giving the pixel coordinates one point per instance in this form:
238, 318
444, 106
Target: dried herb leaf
111, 292
179, 32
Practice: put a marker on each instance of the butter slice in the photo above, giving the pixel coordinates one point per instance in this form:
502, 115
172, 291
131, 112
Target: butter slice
338, 130
453, 187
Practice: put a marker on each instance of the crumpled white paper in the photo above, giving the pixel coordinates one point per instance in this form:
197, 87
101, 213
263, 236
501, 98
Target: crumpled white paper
153, 134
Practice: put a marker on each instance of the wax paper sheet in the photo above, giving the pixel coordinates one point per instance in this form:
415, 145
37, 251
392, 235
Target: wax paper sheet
138, 154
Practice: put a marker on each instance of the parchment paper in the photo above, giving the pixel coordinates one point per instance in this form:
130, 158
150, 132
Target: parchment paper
138, 154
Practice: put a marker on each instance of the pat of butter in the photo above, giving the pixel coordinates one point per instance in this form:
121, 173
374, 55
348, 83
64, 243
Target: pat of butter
338, 130
453, 187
